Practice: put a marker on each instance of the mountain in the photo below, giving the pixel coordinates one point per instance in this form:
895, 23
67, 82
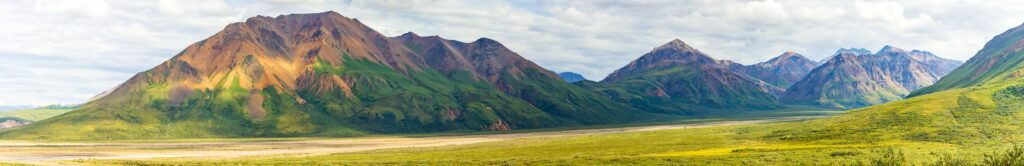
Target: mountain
941, 66
324, 74
676, 77
850, 80
999, 60
781, 71
571, 77
977, 104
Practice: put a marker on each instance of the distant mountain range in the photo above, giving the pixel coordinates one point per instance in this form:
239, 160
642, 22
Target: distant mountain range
975, 104
853, 79
781, 71
324, 74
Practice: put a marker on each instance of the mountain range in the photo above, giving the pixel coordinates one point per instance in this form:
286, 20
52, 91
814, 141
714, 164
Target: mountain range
324, 74
853, 79
977, 104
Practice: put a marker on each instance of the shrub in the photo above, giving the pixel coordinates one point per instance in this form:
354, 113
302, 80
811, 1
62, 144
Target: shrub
1012, 157
949, 160
890, 157
844, 153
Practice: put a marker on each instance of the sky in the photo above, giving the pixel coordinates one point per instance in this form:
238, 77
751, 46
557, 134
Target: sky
68, 51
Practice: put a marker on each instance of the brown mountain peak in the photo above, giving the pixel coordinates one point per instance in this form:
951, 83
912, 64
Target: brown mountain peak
675, 44
790, 57
486, 41
789, 54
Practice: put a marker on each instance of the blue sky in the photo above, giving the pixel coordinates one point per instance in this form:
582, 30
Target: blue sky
67, 51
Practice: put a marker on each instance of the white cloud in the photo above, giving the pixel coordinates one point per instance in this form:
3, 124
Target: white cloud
89, 8
78, 48
179, 7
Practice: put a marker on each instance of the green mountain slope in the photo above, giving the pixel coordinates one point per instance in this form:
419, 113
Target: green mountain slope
327, 75
997, 61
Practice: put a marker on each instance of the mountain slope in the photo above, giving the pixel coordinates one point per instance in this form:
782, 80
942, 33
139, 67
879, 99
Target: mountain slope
997, 61
987, 112
781, 71
850, 80
327, 75
676, 77
571, 77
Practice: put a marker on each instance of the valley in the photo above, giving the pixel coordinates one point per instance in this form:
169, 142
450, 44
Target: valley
117, 152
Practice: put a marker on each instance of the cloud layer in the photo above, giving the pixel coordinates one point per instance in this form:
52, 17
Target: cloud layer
68, 51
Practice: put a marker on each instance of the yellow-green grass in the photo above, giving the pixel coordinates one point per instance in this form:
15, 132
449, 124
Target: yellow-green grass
738, 145
666, 120
965, 123
34, 114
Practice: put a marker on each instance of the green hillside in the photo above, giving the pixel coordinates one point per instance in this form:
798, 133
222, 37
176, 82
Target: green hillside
34, 114
997, 61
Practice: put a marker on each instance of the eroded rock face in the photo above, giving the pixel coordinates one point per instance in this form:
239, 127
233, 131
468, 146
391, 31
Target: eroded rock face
850, 80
